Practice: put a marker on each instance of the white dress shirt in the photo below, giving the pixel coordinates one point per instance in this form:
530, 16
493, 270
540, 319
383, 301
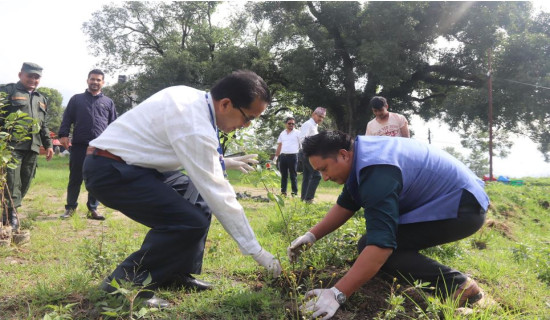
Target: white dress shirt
309, 128
173, 130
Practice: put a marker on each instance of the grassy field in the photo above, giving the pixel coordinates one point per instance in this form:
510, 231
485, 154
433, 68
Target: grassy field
56, 275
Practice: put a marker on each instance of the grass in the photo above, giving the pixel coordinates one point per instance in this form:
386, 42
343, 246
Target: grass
56, 276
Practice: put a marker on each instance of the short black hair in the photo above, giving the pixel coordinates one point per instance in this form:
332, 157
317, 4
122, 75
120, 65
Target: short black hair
326, 144
96, 71
242, 87
378, 102
289, 118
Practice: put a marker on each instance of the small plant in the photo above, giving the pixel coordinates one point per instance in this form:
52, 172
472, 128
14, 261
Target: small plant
60, 312
131, 296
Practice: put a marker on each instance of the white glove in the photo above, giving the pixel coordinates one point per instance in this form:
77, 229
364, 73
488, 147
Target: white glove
268, 261
275, 159
241, 163
297, 246
324, 302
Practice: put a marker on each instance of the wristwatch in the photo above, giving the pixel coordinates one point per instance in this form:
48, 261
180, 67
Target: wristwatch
340, 296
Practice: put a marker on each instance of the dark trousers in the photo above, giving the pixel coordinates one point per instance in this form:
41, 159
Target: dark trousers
288, 164
76, 161
310, 179
408, 264
169, 204
18, 180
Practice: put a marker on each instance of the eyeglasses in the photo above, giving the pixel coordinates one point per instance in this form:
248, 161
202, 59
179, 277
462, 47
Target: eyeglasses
291, 123
247, 119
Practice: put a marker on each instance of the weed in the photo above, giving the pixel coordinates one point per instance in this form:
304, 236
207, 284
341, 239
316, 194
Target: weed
59, 312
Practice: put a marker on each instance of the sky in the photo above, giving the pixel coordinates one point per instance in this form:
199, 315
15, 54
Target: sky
50, 34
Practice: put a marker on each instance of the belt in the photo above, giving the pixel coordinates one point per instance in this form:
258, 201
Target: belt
288, 154
102, 153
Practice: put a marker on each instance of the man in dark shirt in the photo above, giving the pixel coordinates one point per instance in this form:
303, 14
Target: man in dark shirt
90, 113
414, 197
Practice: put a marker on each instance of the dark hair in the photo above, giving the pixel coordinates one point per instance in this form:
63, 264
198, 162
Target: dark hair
96, 71
242, 88
289, 118
378, 102
326, 144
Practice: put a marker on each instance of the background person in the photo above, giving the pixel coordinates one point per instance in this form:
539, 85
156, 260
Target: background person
23, 96
288, 145
310, 177
386, 123
414, 197
179, 126
90, 113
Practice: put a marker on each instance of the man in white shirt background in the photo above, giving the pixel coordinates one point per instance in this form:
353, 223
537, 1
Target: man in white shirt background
310, 176
179, 125
288, 145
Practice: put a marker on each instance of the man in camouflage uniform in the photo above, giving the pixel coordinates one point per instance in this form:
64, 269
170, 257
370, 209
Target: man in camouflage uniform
23, 96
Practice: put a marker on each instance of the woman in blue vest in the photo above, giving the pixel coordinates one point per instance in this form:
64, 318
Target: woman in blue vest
414, 197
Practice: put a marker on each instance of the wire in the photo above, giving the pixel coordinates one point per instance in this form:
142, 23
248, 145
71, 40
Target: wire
527, 84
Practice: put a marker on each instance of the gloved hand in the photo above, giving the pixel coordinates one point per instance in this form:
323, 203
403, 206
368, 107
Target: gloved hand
241, 163
268, 261
300, 244
324, 302
275, 159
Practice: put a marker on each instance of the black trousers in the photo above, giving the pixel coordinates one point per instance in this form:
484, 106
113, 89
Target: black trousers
76, 161
288, 164
408, 264
310, 179
168, 203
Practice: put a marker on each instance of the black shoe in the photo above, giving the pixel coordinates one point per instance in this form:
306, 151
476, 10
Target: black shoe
94, 215
68, 213
190, 283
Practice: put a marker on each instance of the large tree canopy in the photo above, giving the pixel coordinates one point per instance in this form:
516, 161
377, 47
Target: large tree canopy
427, 58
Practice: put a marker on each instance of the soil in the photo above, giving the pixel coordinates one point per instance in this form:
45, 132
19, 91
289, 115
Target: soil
366, 303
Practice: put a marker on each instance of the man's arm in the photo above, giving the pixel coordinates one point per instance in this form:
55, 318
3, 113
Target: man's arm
335, 218
369, 262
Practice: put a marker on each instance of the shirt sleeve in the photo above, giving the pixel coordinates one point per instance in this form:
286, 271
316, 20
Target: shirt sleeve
200, 157
402, 120
345, 200
379, 189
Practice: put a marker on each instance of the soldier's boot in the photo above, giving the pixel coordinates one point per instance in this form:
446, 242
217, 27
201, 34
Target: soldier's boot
13, 220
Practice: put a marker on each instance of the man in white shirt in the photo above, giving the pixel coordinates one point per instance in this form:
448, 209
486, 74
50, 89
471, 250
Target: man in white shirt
288, 145
310, 176
386, 123
134, 167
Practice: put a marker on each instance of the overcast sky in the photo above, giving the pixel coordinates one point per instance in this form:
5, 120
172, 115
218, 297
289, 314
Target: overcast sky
50, 33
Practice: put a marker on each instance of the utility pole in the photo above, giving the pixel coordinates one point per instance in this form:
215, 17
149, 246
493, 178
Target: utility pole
490, 86
429, 136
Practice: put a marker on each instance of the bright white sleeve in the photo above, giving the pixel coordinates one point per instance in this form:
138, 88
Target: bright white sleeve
200, 158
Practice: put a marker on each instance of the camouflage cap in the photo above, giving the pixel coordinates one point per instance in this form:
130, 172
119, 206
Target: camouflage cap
30, 67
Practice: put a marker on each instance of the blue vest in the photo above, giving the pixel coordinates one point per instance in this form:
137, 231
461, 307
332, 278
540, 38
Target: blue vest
433, 180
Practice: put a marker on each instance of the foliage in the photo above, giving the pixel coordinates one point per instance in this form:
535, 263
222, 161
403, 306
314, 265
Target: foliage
54, 114
340, 54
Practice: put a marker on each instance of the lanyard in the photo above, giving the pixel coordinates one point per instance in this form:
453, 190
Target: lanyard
220, 151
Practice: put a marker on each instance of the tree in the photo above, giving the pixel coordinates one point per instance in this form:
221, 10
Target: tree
343, 53
54, 114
